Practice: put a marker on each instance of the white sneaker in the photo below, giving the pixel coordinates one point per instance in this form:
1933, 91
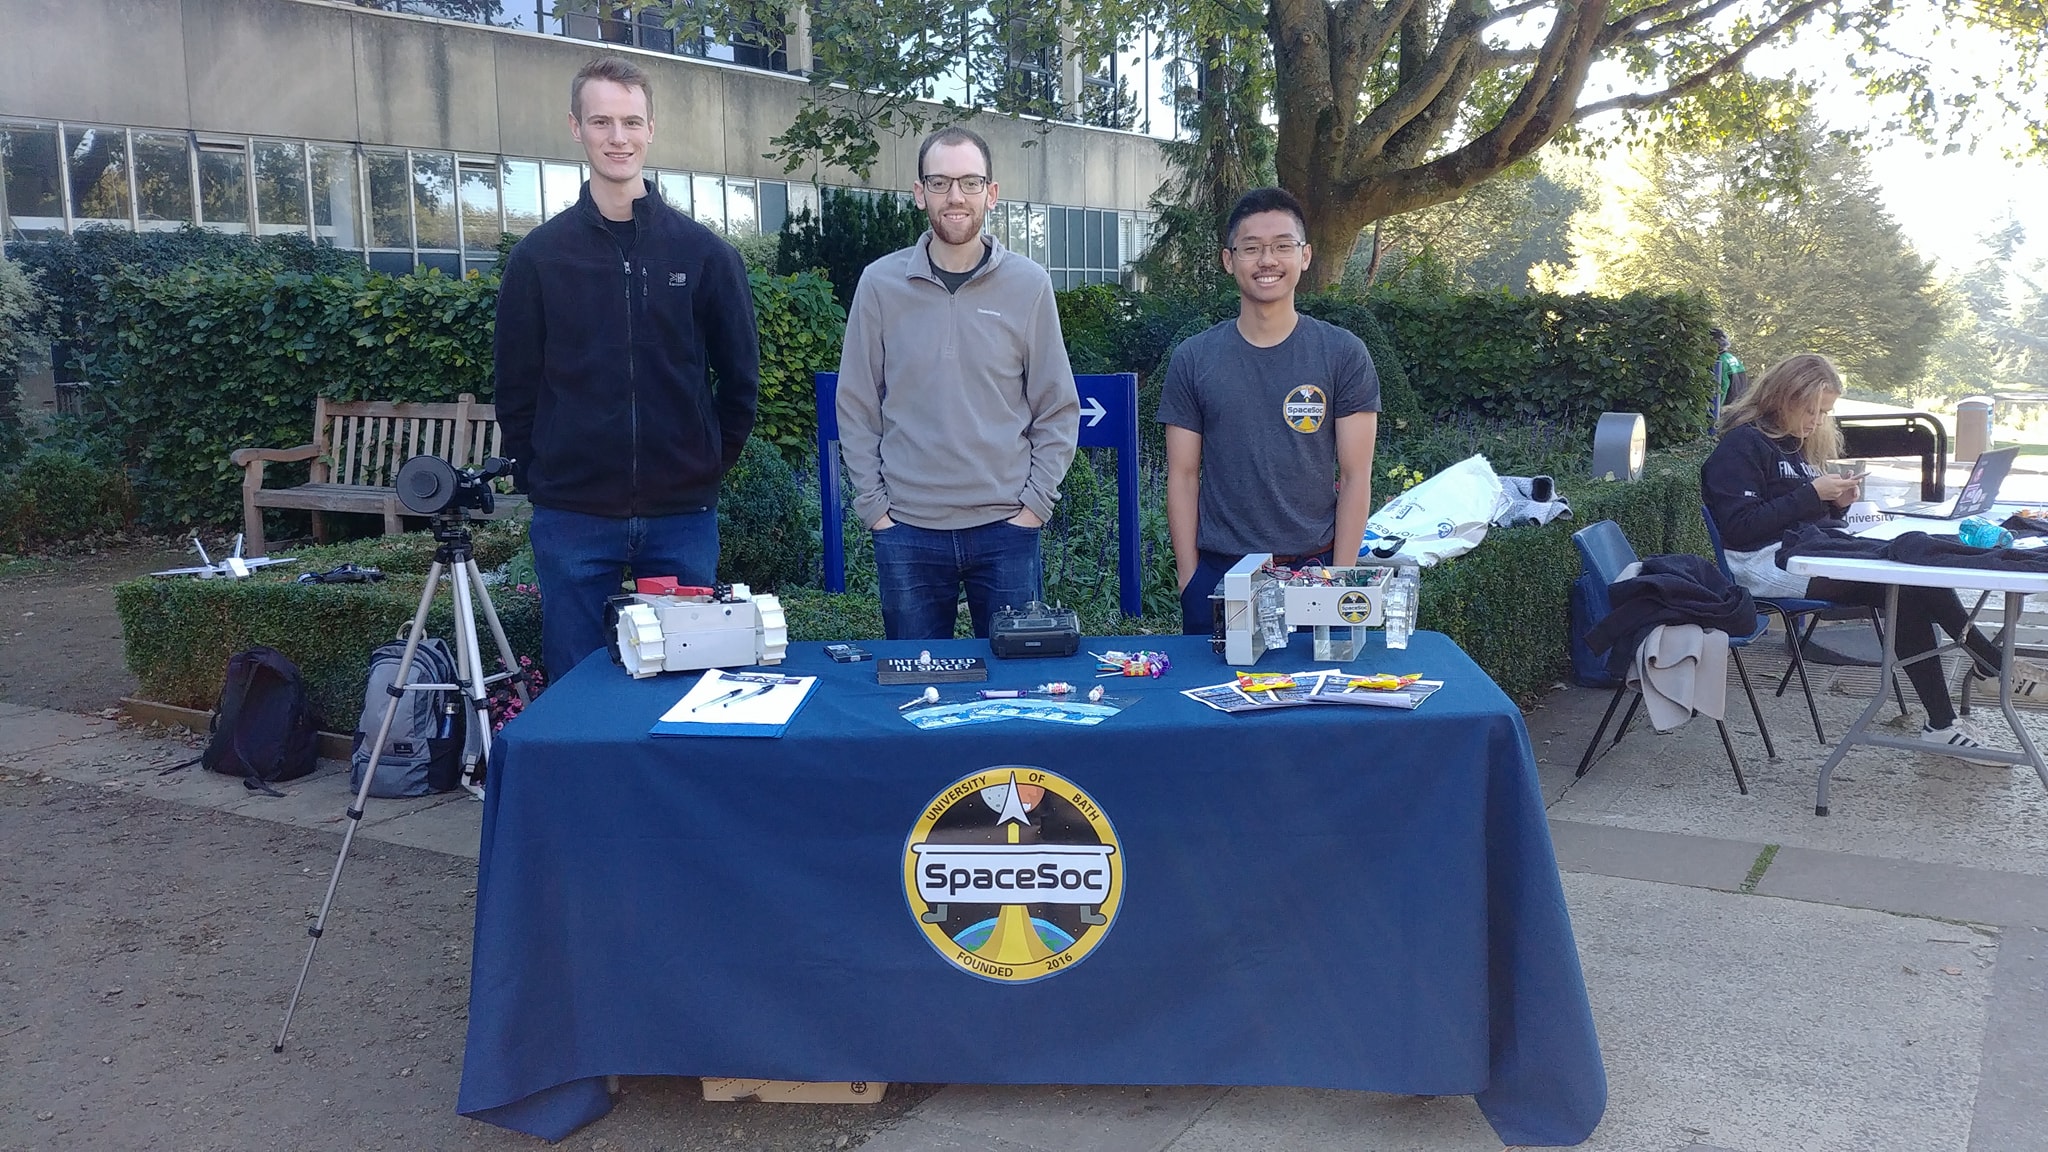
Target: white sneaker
1955, 738
2029, 682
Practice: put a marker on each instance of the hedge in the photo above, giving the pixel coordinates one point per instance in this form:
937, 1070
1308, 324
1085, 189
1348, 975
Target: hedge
204, 360
1559, 357
1505, 603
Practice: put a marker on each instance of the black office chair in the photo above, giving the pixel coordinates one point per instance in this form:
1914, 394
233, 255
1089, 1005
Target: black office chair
1792, 609
1605, 551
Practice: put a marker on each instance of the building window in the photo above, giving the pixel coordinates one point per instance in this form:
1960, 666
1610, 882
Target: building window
521, 180
481, 224
742, 215
337, 199
675, 188
561, 184
803, 198
31, 182
390, 201
774, 206
433, 201
281, 207
98, 162
224, 186
163, 180
707, 201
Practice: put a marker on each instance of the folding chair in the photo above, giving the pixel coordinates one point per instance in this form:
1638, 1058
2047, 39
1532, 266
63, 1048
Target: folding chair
1605, 551
1791, 609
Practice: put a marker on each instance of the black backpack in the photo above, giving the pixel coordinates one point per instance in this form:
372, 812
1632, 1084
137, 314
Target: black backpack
263, 728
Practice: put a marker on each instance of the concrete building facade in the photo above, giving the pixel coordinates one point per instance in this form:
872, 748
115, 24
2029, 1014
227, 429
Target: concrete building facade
418, 141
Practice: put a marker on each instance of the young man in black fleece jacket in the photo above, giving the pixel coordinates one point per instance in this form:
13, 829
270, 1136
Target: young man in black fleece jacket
612, 318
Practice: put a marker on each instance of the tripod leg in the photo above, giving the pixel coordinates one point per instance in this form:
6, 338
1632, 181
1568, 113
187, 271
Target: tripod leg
472, 661
355, 812
497, 626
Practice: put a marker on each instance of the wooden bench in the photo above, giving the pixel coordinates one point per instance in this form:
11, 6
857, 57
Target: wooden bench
357, 449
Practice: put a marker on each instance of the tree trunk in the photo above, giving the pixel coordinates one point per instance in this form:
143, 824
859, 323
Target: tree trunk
1334, 222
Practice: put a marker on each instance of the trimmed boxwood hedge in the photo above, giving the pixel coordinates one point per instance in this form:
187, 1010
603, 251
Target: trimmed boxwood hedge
1506, 603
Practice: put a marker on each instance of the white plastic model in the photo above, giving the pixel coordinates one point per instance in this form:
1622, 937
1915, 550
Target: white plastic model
659, 633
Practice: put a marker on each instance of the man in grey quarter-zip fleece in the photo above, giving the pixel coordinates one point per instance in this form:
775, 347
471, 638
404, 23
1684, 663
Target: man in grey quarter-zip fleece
957, 409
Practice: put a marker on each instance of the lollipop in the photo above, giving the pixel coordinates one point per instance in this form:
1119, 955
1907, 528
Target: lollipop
930, 696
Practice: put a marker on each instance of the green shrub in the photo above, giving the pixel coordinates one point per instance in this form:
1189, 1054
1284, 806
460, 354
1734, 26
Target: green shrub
1558, 357
179, 633
767, 527
857, 228
205, 361
77, 270
801, 327
57, 495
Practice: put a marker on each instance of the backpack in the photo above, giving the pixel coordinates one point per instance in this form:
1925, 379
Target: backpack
263, 728
430, 731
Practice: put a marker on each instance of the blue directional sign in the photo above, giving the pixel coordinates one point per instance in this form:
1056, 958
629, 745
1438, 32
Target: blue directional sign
1109, 419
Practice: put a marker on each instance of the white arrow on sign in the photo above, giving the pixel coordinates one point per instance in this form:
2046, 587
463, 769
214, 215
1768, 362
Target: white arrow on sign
1093, 410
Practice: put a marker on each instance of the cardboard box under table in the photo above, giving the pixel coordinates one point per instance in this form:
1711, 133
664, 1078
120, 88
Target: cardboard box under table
1325, 896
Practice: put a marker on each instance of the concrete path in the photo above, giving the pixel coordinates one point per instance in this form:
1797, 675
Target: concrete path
1764, 980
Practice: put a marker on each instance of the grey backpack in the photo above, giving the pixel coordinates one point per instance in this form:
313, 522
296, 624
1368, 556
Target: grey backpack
429, 732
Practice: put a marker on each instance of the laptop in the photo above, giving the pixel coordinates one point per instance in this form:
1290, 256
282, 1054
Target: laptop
1978, 493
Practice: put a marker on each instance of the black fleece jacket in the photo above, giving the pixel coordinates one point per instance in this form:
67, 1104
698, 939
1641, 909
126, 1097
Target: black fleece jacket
605, 362
1675, 589
1758, 487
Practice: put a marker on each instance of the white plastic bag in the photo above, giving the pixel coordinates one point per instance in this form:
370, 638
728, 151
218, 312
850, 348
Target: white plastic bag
1446, 515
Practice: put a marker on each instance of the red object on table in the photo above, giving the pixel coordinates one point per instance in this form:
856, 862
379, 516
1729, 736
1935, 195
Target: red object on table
667, 586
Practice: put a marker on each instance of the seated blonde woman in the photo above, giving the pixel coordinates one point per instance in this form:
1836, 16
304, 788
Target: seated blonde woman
1769, 474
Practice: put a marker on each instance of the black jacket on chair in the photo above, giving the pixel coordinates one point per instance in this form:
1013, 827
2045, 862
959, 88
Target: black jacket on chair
1675, 589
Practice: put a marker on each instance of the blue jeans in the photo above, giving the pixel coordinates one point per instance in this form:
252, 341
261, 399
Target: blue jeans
581, 559
921, 571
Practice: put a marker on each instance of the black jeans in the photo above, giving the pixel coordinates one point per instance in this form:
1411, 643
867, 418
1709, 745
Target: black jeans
1920, 609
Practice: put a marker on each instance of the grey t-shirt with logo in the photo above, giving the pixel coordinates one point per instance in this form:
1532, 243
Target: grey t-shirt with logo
1268, 422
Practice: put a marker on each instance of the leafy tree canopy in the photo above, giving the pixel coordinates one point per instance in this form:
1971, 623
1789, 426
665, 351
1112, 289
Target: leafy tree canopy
1821, 268
1380, 107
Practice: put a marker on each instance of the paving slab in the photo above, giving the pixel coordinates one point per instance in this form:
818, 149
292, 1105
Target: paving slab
1052, 1118
1950, 891
1884, 803
2009, 1113
1697, 861
452, 824
28, 729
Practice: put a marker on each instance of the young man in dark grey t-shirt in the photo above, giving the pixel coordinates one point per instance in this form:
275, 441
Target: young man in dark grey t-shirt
1270, 420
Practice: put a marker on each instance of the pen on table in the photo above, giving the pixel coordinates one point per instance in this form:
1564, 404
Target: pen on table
749, 693
718, 699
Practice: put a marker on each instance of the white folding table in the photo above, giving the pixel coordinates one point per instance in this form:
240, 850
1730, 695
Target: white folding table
1894, 575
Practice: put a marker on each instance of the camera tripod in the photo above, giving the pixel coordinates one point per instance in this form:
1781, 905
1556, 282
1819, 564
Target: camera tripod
455, 558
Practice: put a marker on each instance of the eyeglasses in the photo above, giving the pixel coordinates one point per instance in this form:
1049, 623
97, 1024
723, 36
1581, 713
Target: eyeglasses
940, 185
1281, 249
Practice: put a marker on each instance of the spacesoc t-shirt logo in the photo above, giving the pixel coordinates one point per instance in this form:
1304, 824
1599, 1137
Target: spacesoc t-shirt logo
1305, 408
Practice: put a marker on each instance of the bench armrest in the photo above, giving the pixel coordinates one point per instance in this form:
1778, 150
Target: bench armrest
243, 457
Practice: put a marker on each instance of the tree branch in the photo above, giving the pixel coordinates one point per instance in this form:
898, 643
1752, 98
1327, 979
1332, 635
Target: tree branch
1729, 63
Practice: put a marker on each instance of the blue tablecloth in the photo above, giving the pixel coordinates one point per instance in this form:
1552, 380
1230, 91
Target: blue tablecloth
1328, 896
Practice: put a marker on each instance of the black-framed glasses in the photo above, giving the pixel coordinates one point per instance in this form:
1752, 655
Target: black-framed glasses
1282, 249
940, 185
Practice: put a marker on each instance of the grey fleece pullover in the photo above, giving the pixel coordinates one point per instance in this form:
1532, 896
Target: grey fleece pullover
955, 410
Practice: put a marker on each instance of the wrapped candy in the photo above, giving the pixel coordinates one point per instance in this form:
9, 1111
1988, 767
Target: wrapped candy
1147, 663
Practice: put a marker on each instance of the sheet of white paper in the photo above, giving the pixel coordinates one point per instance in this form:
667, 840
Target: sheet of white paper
722, 697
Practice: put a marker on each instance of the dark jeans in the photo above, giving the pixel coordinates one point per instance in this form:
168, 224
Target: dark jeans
921, 571
581, 560
1197, 616
1920, 609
